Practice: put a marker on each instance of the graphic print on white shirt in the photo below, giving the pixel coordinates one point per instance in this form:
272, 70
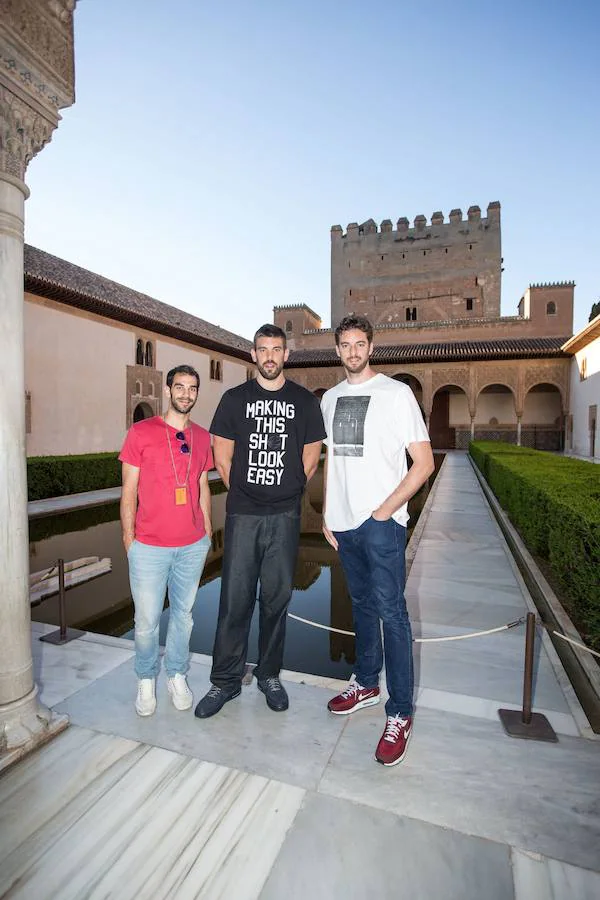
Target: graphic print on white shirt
349, 425
267, 443
369, 428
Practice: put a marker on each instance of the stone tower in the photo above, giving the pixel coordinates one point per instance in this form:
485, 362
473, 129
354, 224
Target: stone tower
428, 273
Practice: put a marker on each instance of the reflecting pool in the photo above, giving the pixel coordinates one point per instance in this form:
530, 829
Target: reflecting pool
104, 606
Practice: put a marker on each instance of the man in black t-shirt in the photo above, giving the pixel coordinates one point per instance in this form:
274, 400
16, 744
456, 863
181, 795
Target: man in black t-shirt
267, 442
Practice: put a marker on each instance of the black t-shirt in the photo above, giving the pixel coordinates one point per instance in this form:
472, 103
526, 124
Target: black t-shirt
270, 429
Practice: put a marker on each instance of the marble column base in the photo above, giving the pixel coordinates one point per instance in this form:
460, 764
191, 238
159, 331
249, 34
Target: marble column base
25, 725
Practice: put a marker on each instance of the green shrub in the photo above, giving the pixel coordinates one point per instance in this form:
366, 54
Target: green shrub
55, 476
554, 503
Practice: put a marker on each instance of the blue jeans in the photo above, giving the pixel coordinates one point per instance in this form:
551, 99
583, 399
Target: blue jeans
372, 557
151, 571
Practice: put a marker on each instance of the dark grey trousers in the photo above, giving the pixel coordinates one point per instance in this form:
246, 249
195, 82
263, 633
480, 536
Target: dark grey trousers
256, 548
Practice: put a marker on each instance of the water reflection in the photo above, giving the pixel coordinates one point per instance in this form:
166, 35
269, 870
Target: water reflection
104, 606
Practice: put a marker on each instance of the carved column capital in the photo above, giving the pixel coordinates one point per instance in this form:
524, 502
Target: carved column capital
23, 133
36, 76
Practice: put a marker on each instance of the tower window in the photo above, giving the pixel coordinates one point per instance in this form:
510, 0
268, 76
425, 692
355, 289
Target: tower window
139, 353
216, 373
469, 301
149, 354
551, 308
411, 313
288, 326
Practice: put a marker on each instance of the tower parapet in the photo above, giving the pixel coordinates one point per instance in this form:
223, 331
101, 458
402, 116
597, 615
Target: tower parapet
456, 217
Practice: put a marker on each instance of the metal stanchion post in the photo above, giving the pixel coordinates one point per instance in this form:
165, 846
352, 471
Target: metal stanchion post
64, 634
525, 723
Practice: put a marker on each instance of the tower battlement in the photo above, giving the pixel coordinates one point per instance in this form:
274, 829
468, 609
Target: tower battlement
437, 227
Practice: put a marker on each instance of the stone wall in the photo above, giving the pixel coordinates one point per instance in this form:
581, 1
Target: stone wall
430, 272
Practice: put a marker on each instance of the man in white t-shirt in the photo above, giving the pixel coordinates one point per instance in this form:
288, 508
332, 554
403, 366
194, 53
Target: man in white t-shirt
371, 421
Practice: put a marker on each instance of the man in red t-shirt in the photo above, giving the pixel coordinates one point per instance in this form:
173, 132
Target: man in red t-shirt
165, 517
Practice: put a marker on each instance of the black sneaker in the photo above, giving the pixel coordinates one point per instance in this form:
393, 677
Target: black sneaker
275, 694
215, 700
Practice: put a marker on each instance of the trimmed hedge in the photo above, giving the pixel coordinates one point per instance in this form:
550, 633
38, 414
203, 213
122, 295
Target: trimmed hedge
56, 476
554, 502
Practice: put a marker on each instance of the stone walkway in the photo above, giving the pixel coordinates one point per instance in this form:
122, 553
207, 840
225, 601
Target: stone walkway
259, 805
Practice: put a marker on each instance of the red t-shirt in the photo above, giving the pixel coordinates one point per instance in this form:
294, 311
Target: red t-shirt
159, 520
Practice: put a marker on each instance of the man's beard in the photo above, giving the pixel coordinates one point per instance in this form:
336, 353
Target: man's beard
356, 367
182, 409
270, 374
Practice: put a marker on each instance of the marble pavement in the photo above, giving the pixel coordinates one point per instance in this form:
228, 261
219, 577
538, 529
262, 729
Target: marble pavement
256, 805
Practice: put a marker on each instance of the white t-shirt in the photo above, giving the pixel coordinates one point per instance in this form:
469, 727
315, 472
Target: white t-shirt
369, 426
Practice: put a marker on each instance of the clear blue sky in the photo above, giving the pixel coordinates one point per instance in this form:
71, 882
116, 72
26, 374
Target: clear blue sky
212, 145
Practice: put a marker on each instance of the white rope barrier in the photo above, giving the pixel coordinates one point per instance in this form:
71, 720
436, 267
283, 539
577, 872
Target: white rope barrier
575, 643
454, 637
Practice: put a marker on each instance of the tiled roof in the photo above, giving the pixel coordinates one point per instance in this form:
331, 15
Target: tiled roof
54, 278
455, 351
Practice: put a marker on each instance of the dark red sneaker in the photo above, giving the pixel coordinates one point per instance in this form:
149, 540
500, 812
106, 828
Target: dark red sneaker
392, 745
353, 698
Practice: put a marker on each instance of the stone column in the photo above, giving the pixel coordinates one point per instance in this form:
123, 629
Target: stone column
36, 80
519, 431
472, 427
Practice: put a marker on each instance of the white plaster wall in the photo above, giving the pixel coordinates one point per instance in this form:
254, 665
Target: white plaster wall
499, 406
583, 395
459, 410
170, 353
542, 408
75, 371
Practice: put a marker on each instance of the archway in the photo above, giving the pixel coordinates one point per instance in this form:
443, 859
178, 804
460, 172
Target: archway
496, 414
449, 415
542, 422
415, 386
142, 411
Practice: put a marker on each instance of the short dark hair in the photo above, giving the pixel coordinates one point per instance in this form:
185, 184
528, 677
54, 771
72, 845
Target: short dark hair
182, 370
271, 331
360, 323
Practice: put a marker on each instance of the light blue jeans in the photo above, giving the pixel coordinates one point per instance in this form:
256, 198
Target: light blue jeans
151, 571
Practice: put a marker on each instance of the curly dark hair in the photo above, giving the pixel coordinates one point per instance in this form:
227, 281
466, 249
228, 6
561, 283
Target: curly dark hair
360, 323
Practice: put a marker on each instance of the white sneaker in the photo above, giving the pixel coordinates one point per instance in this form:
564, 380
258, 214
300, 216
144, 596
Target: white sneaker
145, 702
180, 693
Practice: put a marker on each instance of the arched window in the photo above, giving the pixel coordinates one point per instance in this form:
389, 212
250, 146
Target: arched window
551, 308
139, 353
138, 388
149, 354
288, 326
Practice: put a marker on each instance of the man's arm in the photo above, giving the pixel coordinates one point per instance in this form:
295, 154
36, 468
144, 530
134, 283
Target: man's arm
223, 455
329, 535
205, 502
129, 501
421, 469
310, 458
